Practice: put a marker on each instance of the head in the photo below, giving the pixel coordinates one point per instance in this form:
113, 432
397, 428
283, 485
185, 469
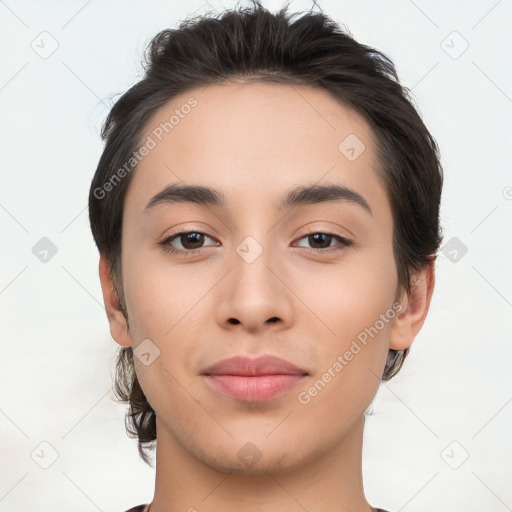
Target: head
254, 104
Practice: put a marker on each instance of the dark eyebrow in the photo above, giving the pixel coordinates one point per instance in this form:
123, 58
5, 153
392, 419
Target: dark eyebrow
321, 193
298, 196
176, 193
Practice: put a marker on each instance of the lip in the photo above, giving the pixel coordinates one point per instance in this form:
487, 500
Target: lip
253, 380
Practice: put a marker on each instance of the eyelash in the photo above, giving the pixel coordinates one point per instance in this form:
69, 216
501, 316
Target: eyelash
345, 242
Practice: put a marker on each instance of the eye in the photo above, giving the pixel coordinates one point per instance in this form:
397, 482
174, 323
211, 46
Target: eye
190, 241
323, 241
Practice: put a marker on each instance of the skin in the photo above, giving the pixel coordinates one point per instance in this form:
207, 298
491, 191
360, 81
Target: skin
253, 142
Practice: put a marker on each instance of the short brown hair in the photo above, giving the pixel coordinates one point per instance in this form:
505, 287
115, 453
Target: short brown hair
254, 44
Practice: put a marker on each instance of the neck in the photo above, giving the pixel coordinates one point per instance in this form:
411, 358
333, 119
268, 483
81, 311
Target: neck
330, 481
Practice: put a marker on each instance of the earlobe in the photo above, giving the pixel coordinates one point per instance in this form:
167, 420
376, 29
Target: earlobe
408, 323
117, 321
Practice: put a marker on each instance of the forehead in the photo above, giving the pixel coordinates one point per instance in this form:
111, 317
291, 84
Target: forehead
253, 141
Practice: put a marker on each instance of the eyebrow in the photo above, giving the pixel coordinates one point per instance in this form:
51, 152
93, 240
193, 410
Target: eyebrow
299, 196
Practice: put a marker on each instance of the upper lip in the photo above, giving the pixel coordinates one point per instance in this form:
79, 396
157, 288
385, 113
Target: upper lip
245, 366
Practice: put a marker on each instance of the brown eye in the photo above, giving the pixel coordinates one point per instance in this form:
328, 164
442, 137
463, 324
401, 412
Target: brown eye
185, 243
192, 240
322, 242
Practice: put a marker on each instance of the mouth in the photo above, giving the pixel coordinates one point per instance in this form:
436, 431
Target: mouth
253, 380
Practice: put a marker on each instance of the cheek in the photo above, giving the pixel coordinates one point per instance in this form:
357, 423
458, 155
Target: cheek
157, 295
355, 306
343, 299
163, 307
351, 364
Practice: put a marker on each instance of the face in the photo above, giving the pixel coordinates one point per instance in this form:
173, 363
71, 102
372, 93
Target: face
312, 282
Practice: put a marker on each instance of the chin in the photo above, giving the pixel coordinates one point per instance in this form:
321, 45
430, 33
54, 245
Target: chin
247, 458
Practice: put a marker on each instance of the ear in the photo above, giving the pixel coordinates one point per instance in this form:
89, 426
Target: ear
414, 311
118, 324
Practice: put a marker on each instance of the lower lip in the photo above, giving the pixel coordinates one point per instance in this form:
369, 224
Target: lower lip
253, 389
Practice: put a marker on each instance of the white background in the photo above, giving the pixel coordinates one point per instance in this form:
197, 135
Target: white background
57, 355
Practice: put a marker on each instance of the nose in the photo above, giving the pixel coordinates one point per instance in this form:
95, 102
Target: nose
256, 294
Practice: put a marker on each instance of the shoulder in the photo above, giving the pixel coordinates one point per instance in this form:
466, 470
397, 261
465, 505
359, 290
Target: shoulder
139, 508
